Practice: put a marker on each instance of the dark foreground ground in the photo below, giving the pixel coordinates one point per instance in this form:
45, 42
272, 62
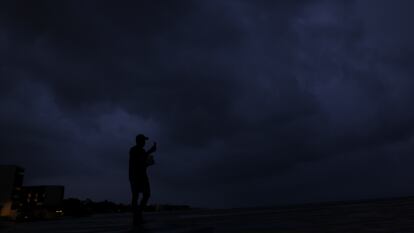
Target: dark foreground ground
391, 216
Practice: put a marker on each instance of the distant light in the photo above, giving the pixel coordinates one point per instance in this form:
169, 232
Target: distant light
59, 211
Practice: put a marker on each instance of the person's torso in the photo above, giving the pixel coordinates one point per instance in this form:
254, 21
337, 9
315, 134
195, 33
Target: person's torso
137, 162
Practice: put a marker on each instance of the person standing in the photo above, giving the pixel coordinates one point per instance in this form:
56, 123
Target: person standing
139, 160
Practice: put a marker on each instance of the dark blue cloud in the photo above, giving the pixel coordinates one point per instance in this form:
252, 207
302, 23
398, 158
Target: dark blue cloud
240, 95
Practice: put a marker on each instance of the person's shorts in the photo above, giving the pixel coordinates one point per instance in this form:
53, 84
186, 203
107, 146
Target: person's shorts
140, 185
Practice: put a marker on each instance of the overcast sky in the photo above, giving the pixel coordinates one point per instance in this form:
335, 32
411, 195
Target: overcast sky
252, 102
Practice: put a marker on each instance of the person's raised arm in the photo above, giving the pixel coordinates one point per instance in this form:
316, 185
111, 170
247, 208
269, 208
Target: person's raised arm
153, 148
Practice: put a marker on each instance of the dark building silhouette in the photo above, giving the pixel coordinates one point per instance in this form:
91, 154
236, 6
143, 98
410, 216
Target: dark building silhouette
11, 181
44, 201
18, 201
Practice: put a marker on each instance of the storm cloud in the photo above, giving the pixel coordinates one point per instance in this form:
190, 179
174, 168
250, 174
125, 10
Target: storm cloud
251, 102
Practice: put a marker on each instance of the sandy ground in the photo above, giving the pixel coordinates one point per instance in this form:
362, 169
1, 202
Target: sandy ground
390, 216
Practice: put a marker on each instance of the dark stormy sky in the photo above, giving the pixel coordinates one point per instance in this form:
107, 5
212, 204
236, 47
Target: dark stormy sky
252, 102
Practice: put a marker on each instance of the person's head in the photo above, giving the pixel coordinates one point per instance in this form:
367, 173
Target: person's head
140, 140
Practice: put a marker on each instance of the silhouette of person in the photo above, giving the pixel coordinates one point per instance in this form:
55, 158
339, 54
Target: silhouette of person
139, 160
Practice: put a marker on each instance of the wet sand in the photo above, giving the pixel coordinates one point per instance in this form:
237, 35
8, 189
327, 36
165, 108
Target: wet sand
391, 216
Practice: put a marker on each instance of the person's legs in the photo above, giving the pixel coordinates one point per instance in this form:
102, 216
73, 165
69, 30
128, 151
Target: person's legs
135, 195
137, 217
146, 193
138, 186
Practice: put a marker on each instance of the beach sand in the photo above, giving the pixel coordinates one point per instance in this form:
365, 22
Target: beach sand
388, 215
